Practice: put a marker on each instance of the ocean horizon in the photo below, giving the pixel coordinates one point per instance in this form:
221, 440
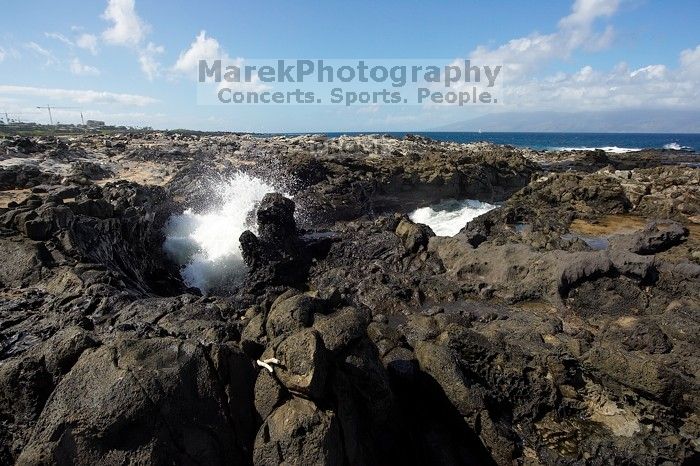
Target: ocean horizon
611, 142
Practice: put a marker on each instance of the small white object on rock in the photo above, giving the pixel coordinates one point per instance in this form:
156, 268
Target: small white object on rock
267, 363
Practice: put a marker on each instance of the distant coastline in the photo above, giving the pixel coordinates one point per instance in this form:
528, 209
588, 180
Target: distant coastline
611, 142
617, 142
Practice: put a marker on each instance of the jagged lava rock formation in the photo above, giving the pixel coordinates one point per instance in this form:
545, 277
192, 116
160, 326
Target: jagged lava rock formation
559, 328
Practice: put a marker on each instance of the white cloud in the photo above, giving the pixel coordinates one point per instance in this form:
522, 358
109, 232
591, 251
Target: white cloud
127, 27
208, 48
80, 69
6, 53
49, 58
147, 58
690, 62
79, 96
650, 72
652, 86
575, 31
87, 42
523, 88
83, 41
60, 38
203, 48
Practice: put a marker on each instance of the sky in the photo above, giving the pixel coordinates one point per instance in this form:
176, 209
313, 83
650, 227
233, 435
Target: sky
134, 62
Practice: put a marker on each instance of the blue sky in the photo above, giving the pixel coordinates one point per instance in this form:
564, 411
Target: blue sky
121, 60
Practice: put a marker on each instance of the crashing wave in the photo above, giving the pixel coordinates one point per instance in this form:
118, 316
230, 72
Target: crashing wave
676, 146
450, 216
206, 244
611, 149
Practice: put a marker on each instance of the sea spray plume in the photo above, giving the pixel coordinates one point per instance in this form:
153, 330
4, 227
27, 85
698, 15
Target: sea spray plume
450, 216
206, 243
299, 169
676, 146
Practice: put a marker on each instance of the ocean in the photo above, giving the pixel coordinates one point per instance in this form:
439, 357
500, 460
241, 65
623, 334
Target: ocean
613, 142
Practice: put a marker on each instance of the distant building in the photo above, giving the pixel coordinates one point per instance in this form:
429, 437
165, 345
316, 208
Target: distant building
94, 124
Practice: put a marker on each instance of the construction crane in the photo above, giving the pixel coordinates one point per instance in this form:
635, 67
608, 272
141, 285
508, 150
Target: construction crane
49, 107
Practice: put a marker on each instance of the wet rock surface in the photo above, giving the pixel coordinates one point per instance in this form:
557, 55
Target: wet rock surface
560, 328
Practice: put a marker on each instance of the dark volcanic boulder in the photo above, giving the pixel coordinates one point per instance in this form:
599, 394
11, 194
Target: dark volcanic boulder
28, 259
26, 145
327, 398
25, 176
657, 237
26, 382
156, 401
299, 433
303, 363
291, 312
276, 223
275, 255
414, 235
277, 239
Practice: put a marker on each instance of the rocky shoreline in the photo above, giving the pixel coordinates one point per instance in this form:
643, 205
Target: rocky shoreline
560, 328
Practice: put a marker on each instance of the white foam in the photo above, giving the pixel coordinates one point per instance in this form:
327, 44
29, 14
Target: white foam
675, 146
612, 149
206, 245
450, 216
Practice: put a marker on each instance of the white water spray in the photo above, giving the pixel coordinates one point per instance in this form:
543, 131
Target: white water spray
448, 217
206, 245
611, 149
676, 146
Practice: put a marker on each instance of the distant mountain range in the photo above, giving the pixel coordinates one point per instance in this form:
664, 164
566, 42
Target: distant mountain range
620, 121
